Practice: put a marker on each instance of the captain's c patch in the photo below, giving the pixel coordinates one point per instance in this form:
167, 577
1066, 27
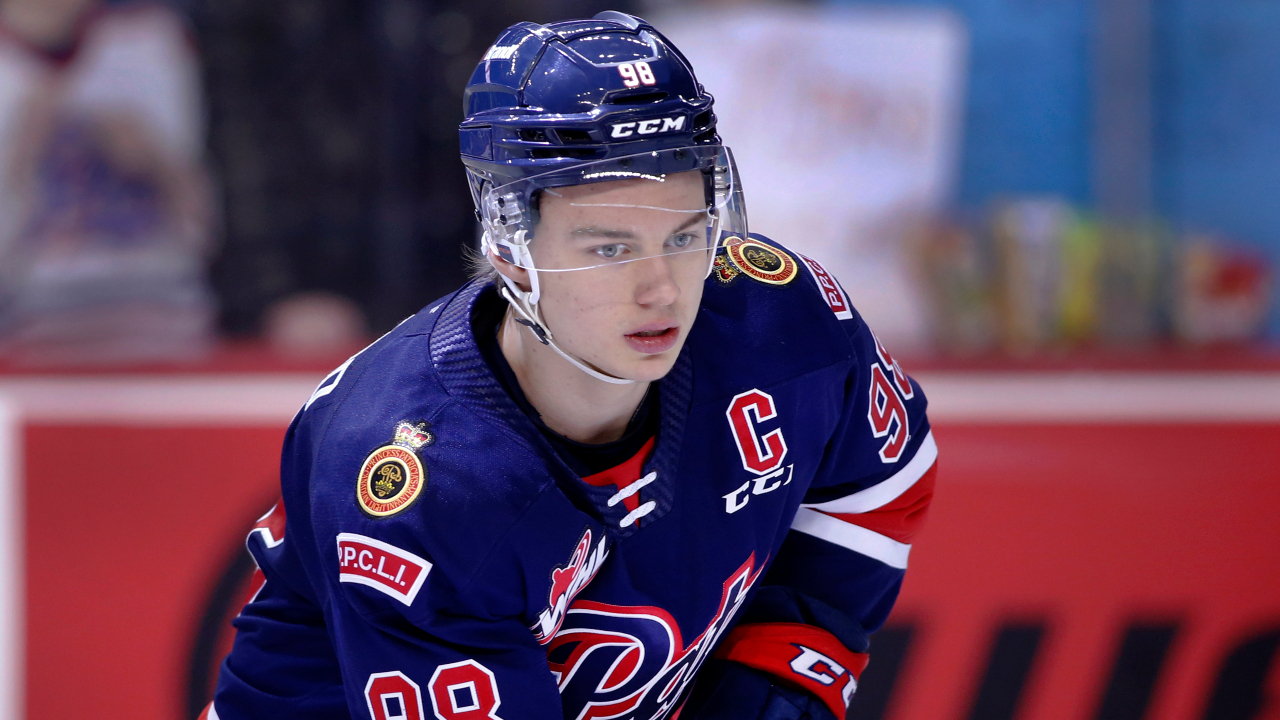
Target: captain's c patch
762, 262
389, 481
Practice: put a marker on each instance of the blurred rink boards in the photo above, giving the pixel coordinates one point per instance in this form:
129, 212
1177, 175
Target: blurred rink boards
1101, 546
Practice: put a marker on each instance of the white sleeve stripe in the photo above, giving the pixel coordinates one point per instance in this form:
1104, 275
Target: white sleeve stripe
213, 713
267, 538
888, 490
853, 537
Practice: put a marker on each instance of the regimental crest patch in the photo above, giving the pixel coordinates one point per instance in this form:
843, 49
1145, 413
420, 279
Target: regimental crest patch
414, 436
762, 262
390, 480
723, 270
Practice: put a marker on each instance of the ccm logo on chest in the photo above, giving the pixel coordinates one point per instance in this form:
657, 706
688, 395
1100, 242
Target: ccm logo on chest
762, 455
647, 127
383, 567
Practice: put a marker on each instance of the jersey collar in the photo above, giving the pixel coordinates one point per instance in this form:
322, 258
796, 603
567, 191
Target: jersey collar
466, 377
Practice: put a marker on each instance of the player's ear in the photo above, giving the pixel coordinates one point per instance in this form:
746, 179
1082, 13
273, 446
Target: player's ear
510, 271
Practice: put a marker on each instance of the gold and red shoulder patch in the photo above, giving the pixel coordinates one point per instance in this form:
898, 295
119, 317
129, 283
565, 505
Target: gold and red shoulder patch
761, 262
723, 270
390, 480
414, 436
392, 476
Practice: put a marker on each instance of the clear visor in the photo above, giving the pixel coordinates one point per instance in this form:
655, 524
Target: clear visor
676, 205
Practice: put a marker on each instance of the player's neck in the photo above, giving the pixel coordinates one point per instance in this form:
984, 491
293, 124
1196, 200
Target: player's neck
571, 402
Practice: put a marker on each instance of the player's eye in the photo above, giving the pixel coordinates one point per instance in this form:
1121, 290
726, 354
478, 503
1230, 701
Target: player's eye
611, 251
680, 240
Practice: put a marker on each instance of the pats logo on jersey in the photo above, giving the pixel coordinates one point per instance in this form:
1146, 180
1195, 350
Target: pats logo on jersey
567, 582
614, 661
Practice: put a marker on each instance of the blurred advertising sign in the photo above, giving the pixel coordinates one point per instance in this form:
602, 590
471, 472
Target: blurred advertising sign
1101, 546
1086, 571
846, 126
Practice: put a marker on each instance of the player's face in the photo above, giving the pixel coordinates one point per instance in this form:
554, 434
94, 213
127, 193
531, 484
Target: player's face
644, 243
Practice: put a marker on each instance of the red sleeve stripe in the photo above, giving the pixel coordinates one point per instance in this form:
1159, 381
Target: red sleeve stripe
902, 518
271, 526
802, 656
852, 537
884, 534
888, 490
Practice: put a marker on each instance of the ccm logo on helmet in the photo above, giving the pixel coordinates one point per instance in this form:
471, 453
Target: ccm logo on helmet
648, 127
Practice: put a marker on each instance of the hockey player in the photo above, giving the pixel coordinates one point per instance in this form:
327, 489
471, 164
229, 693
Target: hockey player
647, 466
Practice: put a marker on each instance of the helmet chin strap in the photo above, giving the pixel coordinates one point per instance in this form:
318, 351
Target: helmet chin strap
525, 305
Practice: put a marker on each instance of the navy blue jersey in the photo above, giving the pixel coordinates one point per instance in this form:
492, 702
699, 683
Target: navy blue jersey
440, 559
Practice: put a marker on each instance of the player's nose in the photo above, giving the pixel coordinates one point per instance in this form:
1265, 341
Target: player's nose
655, 280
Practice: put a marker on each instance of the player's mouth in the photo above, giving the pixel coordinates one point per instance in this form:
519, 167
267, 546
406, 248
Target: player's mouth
653, 339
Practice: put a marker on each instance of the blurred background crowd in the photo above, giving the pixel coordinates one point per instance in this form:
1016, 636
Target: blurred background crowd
985, 176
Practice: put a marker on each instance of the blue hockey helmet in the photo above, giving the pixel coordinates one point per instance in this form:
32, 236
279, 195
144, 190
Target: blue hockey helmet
544, 97
579, 102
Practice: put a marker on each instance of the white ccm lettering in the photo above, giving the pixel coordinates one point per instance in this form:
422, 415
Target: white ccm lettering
810, 662
738, 499
648, 127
